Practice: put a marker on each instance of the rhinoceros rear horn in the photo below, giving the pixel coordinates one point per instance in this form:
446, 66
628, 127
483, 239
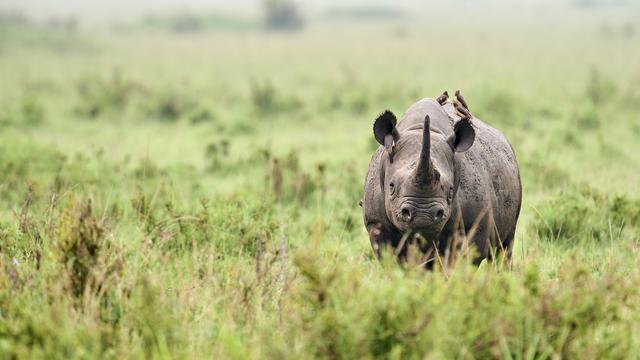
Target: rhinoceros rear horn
384, 130
463, 135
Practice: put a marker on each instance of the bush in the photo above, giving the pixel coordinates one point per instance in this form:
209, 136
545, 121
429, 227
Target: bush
169, 106
599, 89
477, 314
267, 99
99, 95
263, 96
33, 112
79, 239
201, 115
289, 182
582, 214
282, 15
588, 119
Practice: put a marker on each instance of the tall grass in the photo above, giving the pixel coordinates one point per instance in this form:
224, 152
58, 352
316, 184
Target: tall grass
191, 197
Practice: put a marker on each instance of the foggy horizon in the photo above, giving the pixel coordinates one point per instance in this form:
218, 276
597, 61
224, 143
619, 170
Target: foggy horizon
97, 10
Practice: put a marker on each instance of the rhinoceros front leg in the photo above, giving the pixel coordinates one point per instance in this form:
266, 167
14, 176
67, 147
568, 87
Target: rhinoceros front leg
382, 237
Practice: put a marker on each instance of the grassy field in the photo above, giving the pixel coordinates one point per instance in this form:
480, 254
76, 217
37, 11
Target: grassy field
196, 195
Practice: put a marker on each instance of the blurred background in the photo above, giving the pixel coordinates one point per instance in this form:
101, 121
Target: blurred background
211, 94
178, 177
163, 80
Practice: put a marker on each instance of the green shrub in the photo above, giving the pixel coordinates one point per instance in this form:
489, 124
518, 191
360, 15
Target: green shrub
588, 119
79, 240
201, 115
33, 112
263, 96
582, 214
599, 88
288, 182
476, 314
169, 106
266, 98
100, 95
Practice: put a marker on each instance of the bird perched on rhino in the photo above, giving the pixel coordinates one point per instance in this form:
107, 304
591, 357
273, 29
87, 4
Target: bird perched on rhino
441, 174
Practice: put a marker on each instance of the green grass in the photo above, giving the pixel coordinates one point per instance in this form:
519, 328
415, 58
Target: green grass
175, 196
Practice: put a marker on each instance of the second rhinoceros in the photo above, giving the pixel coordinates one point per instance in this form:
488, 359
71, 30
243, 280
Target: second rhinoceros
440, 172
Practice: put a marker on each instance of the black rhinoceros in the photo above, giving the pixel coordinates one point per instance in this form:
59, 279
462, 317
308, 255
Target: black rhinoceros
439, 173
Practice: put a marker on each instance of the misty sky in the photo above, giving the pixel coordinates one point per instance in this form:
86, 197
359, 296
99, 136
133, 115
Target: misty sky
133, 8
103, 11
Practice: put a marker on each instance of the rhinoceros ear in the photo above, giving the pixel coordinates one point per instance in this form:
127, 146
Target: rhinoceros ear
385, 132
463, 136
384, 125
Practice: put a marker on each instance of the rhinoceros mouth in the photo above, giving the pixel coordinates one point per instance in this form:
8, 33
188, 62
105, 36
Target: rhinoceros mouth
421, 215
430, 231
423, 239
428, 235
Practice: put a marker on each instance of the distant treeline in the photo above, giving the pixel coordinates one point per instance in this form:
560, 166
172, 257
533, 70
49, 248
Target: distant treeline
191, 22
277, 15
591, 3
366, 12
17, 18
57, 33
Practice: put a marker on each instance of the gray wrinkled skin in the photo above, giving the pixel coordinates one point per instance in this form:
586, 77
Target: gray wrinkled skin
474, 191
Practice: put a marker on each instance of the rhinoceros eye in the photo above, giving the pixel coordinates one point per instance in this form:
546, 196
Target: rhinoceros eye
392, 188
450, 194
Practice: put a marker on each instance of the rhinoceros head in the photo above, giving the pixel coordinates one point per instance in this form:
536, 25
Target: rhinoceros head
418, 173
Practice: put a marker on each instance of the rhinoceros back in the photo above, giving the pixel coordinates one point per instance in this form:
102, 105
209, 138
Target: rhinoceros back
488, 181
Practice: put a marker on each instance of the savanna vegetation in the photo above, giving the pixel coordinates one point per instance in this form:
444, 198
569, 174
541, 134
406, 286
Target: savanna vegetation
185, 194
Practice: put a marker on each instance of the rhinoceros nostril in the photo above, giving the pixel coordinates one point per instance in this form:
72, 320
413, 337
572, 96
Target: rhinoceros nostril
406, 212
439, 215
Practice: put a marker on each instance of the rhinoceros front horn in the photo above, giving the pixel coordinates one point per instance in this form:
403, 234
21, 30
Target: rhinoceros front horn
424, 171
